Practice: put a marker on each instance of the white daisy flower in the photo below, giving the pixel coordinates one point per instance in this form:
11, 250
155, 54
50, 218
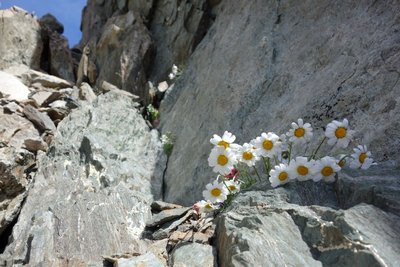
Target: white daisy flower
268, 145
246, 154
226, 140
233, 186
171, 76
222, 160
361, 158
300, 132
339, 133
342, 160
279, 175
326, 168
203, 207
302, 169
215, 192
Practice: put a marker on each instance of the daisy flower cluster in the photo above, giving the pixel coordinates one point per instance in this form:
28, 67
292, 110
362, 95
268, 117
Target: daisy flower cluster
175, 72
284, 158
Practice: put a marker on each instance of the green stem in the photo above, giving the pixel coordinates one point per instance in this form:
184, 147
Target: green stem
255, 169
227, 187
267, 166
319, 146
290, 151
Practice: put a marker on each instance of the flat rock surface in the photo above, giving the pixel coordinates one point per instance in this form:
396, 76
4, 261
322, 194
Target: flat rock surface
194, 255
12, 88
165, 216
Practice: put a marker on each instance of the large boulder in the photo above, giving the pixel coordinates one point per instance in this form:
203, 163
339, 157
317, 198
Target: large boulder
263, 64
302, 224
12, 88
92, 192
20, 41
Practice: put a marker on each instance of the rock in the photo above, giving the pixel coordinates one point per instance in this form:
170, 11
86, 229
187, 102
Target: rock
86, 93
61, 62
35, 145
13, 184
87, 71
144, 7
20, 41
41, 97
124, 53
12, 107
92, 192
158, 205
190, 236
41, 120
48, 81
12, 88
290, 72
166, 229
14, 129
159, 248
51, 22
177, 28
148, 260
166, 216
107, 87
193, 254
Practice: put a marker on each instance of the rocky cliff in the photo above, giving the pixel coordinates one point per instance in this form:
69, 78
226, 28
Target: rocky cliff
83, 171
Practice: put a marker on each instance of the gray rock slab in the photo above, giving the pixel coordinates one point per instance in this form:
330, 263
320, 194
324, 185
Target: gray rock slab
41, 120
194, 255
301, 60
19, 27
166, 216
92, 192
161, 205
148, 260
166, 229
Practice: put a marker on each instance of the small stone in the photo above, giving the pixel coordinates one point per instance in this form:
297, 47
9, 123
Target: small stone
193, 255
157, 206
148, 260
41, 120
12, 88
12, 107
167, 228
86, 93
35, 145
40, 97
191, 236
166, 216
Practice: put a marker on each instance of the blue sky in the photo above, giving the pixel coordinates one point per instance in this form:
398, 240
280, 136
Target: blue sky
68, 12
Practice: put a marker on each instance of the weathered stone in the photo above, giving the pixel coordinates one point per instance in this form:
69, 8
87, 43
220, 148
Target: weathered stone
193, 254
35, 145
41, 97
86, 93
20, 41
159, 249
92, 192
292, 234
189, 236
148, 260
51, 22
107, 87
12, 107
14, 129
57, 113
177, 28
158, 205
166, 216
123, 53
41, 120
166, 229
142, 6
289, 70
48, 81
87, 71
12, 88
61, 63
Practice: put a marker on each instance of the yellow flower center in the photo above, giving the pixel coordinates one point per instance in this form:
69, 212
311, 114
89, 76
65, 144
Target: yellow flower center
340, 132
327, 171
299, 132
223, 143
247, 155
302, 170
208, 206
232, 187
222, 160
283, 176
216, 192
362, 157
268, 145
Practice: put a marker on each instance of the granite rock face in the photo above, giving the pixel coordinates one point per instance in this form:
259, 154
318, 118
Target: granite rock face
21, 41
93, 190
263, 64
